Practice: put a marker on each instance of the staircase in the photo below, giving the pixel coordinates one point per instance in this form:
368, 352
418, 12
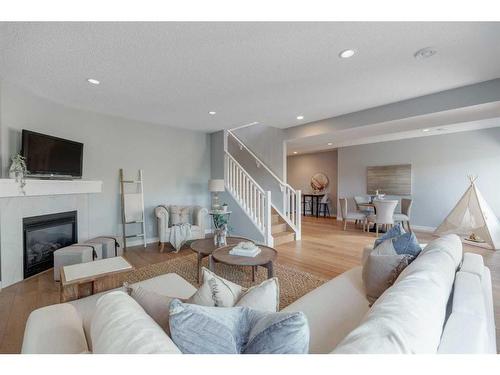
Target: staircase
278, 225
279, 229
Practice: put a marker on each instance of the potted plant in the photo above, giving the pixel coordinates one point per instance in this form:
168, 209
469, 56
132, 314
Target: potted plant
224, 207
18, 171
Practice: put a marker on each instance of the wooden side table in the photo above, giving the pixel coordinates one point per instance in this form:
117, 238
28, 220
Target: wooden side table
265, 259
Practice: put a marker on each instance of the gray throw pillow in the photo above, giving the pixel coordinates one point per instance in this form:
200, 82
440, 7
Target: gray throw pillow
236, 330
380, 272
391, 253
155, 305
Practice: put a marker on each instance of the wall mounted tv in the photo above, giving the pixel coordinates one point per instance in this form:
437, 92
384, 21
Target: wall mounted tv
51, 157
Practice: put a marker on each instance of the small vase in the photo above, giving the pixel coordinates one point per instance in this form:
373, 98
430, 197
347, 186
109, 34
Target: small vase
220, 236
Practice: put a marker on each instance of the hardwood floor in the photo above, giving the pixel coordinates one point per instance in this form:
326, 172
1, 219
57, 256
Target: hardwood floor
325, 250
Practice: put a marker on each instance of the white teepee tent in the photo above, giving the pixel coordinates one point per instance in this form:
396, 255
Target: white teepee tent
472, 216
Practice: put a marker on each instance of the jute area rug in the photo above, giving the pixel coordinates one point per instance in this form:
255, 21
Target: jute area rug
293, 283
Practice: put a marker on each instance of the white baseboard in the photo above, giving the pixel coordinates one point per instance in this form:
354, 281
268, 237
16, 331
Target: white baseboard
138, 241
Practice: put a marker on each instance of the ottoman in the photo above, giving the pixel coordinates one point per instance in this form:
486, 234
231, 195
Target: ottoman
74, 254
110, 246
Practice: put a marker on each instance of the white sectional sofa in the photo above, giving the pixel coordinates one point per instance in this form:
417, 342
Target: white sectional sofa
441, 303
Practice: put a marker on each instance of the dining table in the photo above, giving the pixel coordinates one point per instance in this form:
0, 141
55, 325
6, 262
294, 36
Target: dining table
313, 196
368, 205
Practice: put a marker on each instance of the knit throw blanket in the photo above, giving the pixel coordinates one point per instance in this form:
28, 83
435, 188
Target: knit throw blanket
179, 234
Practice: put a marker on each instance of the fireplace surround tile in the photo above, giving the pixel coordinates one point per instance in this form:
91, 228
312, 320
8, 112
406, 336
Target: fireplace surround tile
12, 212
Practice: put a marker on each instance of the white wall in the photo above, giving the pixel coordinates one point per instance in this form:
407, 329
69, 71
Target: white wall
176, 162
300, 169
440, 165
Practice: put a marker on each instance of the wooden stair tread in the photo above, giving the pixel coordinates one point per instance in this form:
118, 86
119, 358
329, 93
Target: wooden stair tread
283, 234
283, 237
278, 228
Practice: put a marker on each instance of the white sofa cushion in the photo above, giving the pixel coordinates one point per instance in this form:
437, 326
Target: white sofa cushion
409, 316
465, 330
170, 285
121, 326
333, 310
55, 329
471, 326
473, 263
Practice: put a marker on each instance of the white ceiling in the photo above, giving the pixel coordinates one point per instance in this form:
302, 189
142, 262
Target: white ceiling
174, 73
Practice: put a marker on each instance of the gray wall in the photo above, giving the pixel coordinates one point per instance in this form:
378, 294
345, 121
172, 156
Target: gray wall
239, 222
300, 169
440, 165
176, 162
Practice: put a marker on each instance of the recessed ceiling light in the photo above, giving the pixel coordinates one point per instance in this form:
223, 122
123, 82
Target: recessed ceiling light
300, 117
426, 130
212, 113
345, 54
425, 53
330, 143
295, 152
93, 81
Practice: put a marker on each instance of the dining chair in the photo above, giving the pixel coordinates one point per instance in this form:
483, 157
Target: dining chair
308, 206
323, 205
354, 216
384, 213
404, 216
360, 199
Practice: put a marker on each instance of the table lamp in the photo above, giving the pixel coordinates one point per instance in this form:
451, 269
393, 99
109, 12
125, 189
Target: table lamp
215, 186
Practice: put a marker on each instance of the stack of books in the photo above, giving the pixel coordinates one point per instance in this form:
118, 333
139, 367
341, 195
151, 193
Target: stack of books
245, 249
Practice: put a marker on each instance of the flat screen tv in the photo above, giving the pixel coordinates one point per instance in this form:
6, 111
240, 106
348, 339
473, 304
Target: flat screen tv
48, 156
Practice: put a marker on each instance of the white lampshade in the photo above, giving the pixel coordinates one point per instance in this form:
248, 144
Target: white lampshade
216, 185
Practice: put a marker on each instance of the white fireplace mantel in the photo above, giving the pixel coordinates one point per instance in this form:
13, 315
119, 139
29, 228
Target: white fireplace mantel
9, 188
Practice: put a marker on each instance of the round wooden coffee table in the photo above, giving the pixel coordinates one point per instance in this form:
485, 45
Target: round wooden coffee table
264, 259
204, 247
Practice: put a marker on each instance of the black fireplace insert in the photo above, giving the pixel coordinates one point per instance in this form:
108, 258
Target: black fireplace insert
45, 234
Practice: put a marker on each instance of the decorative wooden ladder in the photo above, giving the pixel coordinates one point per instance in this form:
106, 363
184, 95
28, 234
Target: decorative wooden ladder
276, 225
133, 207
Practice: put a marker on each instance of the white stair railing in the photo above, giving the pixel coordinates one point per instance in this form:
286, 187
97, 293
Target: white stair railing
291, 210
255, 202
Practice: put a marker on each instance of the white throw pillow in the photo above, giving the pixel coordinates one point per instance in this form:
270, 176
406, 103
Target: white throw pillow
219, 292
264, 297
121, 326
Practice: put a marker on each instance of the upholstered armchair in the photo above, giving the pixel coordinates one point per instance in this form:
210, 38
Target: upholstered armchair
197, 217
